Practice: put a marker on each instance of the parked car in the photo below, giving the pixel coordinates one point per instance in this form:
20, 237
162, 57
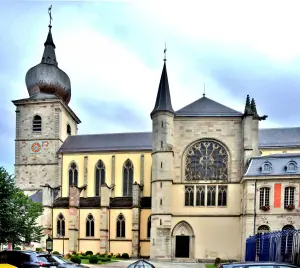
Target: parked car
62, 262
27, 259
257, 265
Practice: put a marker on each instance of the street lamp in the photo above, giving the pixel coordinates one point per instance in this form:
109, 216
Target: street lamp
49, 244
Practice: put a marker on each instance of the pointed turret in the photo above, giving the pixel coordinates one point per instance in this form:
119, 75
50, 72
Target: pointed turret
248, 110
49, 56
256, 116
163, 99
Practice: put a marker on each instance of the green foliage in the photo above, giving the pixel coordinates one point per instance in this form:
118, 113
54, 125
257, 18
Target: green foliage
17, 248
217, 261
55, 252
38, 250
18, 213
89, 252
93, 259
125, 256
76, 259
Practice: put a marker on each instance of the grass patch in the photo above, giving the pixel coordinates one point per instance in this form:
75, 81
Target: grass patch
210, 265
86, 261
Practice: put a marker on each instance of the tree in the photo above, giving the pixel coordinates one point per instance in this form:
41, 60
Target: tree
18, 213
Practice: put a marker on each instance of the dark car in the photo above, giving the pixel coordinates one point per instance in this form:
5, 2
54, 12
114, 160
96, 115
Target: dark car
27, 259
257, 265
62, 262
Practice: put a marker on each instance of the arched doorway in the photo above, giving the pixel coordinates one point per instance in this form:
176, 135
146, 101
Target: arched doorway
183, 241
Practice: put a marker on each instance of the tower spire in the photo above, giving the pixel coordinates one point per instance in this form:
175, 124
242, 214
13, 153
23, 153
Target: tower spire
248, 108
49, 56
163, 99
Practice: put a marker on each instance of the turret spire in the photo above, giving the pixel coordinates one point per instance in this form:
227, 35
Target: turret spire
49, 56
248, 110
163, 99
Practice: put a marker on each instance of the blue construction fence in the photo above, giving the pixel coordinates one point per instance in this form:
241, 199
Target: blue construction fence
281, 246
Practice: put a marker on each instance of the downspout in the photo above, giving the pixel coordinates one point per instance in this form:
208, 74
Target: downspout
139, 236
254, 216
78, 238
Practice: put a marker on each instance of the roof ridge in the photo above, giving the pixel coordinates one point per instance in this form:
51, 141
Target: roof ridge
112, 133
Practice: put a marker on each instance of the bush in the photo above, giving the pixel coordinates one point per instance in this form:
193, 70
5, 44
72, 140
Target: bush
93, 259
125, 256
217, 261
38, 250
55, 252
118, 255
89, 252
103, 259
17, 248
75, 259
74, 253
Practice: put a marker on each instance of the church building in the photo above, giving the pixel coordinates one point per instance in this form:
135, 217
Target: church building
194, 188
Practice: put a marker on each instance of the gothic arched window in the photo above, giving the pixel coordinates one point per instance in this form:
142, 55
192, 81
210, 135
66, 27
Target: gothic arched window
262, 229
127, 178
206, 160
120, 226
149, 227
73, 174
69, 130
90, 225
189, 196
99, 176
60, 225
37, 124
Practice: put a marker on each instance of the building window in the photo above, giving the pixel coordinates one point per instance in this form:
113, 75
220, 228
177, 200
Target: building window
60, 225
222, 196
149, 227
289, 198
291, 167
121, 226
37, 124
206, 160
90, 225
189, 196
69, 130
200, 196
127, 178
264, 198
99, 177
211, 196
73, 174
263, 229
266, 168
287, 238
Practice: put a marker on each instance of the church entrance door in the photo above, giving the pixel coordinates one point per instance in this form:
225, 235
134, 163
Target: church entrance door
182, 246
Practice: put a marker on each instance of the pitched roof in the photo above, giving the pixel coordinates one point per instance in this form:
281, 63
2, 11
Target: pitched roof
207, 107
163, 98
142, 141
279, 137
278, 164
139, 141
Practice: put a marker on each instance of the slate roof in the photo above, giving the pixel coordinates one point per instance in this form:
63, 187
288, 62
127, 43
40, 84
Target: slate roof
207, 107
279, 137
278, 164
139, 141
37, 197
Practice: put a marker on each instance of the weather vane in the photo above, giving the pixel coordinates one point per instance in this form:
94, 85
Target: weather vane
49, 12
165, 52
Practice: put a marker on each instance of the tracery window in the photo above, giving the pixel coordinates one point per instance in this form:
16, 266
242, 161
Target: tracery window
211, 196
37, 124
206, 160
120, 226
289, 197
189, 195
264, 197
73, 174
200, 196
60, 225
99, 176
149, 227
222, 195
89, 225
127, 178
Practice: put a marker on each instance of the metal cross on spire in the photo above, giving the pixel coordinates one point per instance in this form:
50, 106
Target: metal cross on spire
49, 12
204, 90
165, 52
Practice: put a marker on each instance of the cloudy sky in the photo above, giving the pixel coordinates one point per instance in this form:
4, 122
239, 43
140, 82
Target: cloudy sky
113, 54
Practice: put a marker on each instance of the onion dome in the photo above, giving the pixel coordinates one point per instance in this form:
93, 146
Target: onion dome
46, 80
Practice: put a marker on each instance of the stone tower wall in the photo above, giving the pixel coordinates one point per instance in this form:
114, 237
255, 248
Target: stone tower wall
162, 177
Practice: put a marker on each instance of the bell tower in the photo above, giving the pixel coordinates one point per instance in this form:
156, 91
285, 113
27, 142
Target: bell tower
162, 171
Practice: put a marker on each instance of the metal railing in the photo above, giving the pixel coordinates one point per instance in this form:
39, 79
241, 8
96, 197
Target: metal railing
281, 246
